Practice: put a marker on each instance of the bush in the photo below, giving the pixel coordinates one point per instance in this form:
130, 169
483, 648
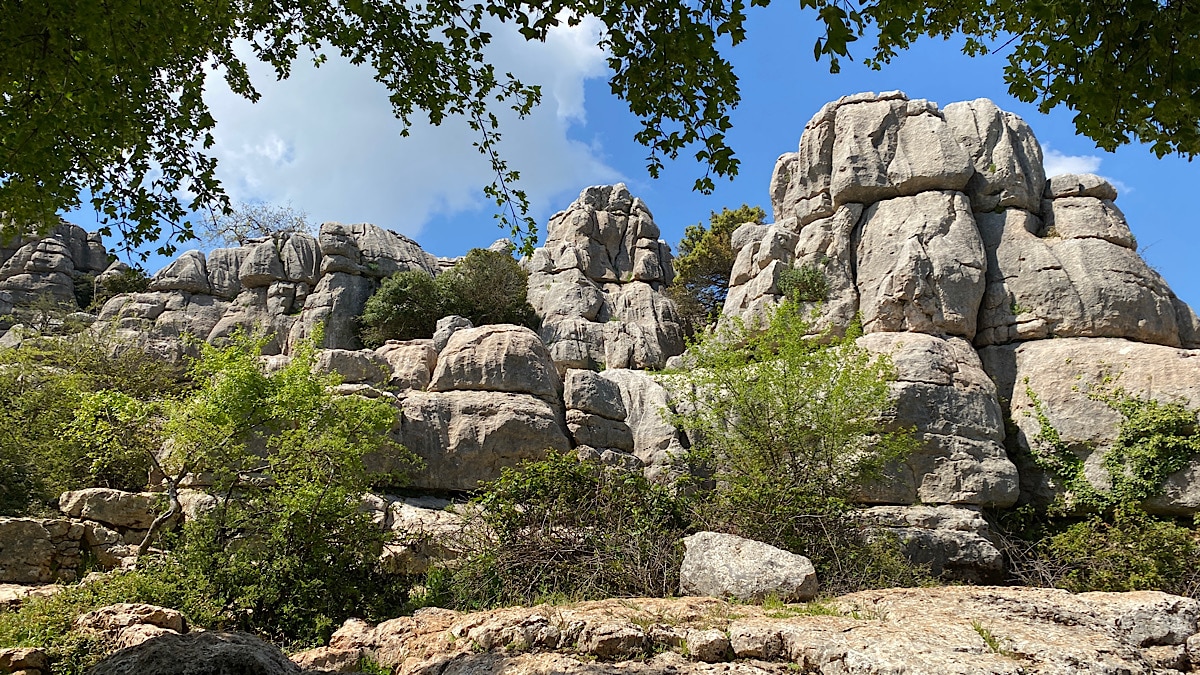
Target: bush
565, 528
791, 427
406, 306
703, 266
486, 287
806, 283
44, 385
130, 280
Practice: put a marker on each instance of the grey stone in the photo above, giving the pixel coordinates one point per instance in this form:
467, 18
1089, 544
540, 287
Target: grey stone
952, 541
465, 437
113, 507
354, 366
1080, 185
412, 362
446, 327
590, 392
657, 443
1006, 156
599, 432
224, 266
187, 273
336, 302
723, 565
921, 265
498, 357
213, 651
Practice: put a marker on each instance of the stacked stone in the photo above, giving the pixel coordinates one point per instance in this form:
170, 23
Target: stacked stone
598, 285
283, 286
39, 550
39, 267
596, 419
939, 229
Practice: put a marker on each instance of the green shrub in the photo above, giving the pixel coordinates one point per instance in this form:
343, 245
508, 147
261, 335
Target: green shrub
406, 306
43, 385
791, 428
487, 287
1118, 546
806, 283
565, 528
130, 280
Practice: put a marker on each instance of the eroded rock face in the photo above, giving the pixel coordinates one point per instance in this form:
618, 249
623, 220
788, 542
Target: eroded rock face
954, 542
282, 287
597, 285
920, 630
945, 396
39, 550
50, 266
206, 652
1059, 373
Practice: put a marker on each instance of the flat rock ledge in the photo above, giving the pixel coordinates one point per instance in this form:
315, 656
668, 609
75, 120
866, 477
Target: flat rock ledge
976, 630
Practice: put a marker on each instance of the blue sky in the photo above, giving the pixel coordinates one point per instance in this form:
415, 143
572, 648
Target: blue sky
325, 142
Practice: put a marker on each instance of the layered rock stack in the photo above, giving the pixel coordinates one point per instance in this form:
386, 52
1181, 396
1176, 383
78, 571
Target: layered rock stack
282, 286
50, 267
598, 282
938, 229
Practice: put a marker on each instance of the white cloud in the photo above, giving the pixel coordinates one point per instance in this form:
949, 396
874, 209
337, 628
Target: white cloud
1056, 163
325, 140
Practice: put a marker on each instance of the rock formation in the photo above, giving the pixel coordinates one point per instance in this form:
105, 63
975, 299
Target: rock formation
939, 230
597, 284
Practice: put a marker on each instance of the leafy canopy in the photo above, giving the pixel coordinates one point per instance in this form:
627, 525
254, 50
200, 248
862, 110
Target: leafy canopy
104, 101
705, 261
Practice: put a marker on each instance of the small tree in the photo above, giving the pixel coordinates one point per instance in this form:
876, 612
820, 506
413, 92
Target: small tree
406, 306
487, 287
705, 260
253, 220
791, 427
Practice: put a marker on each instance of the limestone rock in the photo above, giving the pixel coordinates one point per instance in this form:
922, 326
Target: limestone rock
944, 394
224, 265
1006, 156
599, 432
467, 436
658, 444
336, 302
598, 284
204, 652
38, 551
723, 565
1082, 281
187, 273
1079, 185
371, 251
411, 362
23, 660
952, 541
113, 507
590, 392
354, 366
1059, 372
499, 357
113, 618
446, 327
921, 265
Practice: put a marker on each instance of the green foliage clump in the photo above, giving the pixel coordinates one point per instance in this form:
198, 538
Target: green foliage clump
1118, 546
704, 263
485, 286
44, 385
406, 306
1155, 440
791, 428
806, 283
561, 527
129, 280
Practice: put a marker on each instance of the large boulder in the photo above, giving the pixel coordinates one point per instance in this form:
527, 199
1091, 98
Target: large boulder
647, 402
203, 653
953, 542
135, 510
465, 437
724, 565
39, 550
598, 284
499, 357
1059, 373
944, 395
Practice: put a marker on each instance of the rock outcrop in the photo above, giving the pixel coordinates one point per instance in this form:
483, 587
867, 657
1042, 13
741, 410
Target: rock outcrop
37, 268
282, 286
597, 285
977, 630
